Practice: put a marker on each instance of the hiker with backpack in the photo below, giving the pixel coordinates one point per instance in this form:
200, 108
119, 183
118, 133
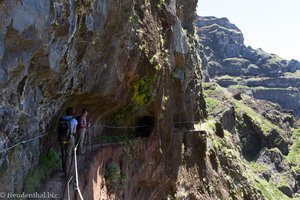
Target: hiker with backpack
66, 134
82, 126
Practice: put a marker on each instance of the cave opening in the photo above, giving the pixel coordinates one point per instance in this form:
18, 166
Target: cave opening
144, 125
251, 146
251, 137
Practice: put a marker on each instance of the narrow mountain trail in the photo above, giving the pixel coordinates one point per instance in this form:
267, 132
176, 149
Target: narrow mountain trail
57, 185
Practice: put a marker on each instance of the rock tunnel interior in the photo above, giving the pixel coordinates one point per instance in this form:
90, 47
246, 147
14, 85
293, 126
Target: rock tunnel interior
101, 115
145, 126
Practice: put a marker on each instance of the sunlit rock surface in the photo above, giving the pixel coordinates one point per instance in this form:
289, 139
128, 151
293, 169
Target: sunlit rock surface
232, 64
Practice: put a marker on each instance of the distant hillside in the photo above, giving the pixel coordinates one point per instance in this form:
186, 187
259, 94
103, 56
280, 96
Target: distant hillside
231, 64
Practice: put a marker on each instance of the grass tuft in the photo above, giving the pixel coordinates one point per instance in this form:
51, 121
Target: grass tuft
269, 190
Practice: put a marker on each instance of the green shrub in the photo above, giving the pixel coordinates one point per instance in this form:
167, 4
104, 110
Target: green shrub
160, 3
211, 104
47, 163
112, 174
142, 96
128, 148
143, 91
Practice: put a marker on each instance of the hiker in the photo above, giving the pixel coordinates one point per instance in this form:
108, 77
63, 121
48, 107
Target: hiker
83, 125
66, 134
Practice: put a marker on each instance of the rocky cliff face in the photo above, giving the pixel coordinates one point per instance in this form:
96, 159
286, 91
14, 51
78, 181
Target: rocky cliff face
115, 58
232, 64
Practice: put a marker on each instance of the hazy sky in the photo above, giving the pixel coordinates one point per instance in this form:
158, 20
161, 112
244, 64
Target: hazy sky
273, 25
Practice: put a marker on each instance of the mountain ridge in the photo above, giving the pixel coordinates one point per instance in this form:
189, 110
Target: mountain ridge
229, 62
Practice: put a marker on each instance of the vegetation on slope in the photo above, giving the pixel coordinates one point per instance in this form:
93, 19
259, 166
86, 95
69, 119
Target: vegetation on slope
218, 99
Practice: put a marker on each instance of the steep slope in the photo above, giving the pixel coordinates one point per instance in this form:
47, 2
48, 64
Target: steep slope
262, 137
265, 136
232, 64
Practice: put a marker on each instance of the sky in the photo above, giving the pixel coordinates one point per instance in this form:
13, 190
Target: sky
273, 25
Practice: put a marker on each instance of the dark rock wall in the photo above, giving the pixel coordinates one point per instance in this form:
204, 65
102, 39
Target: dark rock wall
89, 53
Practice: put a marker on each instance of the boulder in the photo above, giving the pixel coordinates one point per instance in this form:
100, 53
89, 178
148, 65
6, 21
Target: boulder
274, 158
227, 119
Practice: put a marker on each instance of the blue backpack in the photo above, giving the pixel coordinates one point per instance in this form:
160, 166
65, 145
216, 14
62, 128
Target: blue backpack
64, 129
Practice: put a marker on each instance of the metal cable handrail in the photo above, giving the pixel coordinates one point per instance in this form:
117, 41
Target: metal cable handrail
96, 126
23, 142
187, 122
117, 127
75, 149
101, 125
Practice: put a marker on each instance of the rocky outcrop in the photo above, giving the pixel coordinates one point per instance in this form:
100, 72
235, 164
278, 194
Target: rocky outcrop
232, 64
287, 98
276, 165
